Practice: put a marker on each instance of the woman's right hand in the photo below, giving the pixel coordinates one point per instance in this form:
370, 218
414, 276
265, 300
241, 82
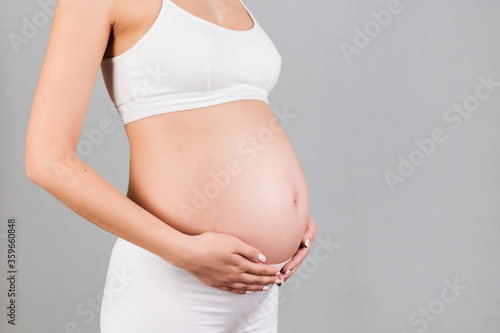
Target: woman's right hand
227, 263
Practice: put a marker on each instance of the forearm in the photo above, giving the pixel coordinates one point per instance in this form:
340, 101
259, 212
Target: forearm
74, 183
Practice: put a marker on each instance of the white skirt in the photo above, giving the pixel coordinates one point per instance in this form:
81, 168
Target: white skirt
146, 294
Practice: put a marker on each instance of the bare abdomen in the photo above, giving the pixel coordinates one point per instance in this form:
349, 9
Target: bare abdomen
227, 168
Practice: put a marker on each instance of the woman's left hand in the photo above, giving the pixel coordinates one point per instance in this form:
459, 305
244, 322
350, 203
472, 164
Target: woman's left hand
307, 241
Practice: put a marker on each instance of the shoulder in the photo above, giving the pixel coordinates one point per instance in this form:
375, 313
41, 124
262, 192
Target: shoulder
91, 10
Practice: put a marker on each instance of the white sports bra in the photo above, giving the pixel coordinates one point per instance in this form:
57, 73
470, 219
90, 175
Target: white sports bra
185, 62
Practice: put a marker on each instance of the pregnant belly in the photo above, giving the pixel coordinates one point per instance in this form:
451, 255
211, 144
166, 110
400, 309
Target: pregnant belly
228, 168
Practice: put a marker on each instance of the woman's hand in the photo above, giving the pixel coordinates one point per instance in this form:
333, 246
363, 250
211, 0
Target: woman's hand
307, 241
227, 263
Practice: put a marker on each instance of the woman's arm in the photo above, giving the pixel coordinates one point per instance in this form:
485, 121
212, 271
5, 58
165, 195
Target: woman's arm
78, 39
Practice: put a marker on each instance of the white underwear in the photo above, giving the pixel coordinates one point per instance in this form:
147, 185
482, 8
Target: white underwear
146, 294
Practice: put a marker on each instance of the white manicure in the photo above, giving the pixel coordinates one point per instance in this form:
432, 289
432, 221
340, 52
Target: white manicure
306, 243
261, 257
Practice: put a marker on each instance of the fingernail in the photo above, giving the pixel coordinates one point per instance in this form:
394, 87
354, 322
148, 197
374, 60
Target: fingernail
306, 243
278, 281
261, 257
288, 271
265, 288
248, 292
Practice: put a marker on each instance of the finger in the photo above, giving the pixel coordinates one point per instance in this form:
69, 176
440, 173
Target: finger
235, 291
310, 233
249, 252
241, 288
250, 287
246, 280
307, 239
258, 269
312, 227
290, 273
250, 279
296, 260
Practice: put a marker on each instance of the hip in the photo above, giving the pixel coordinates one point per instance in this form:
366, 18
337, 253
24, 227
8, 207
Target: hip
144, 293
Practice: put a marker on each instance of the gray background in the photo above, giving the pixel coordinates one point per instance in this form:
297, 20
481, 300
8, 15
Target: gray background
391, 252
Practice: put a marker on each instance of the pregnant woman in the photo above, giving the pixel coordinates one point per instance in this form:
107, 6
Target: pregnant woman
217, 209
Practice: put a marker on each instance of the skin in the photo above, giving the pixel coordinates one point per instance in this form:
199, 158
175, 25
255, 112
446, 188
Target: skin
83, 33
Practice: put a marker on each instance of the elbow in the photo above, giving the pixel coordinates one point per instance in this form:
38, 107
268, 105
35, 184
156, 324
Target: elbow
33, 168
48, 161
49, 157
32, 175
45, 167
32, 151
42, 171
39, 165
29, 172
29, 164
33, 160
